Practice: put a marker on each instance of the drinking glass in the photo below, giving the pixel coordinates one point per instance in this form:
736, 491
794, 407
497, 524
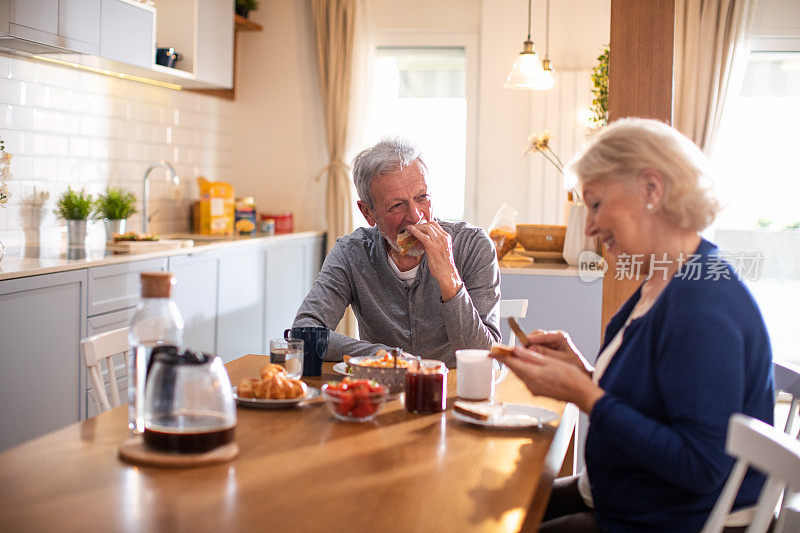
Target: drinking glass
289, 354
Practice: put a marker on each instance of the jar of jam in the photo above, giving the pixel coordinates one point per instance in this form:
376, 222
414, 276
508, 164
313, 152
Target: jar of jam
426, 387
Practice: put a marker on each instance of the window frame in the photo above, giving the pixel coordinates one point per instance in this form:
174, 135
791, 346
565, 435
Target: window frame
439, 39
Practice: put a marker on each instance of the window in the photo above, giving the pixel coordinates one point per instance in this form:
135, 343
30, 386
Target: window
421, 92
759, 184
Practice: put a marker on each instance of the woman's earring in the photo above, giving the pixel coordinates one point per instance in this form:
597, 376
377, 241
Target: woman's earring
649, 206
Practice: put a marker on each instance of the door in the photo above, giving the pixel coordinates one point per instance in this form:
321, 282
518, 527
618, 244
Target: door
195, 294
240, 320
286, 285
42, 319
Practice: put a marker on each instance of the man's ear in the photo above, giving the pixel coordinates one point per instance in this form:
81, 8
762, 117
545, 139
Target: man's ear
367, 212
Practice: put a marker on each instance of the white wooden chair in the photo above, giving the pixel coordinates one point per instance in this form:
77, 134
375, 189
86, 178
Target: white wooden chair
513, 309
95, 350
787, 379
767, 449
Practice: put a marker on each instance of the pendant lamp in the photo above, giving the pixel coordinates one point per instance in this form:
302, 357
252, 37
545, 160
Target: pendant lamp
527, 72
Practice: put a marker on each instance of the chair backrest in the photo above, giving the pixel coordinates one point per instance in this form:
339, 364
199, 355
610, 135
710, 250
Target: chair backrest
512, 309
787, 379
95, 350
776, 454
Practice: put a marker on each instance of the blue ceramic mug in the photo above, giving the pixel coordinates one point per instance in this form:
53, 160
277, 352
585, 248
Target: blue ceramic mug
315, 344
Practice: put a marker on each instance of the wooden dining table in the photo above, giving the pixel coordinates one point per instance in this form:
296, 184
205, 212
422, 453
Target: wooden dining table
299, 469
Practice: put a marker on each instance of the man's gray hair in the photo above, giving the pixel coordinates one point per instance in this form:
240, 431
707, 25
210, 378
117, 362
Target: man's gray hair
389, 155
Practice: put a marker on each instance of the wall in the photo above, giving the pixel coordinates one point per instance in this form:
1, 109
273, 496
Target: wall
66, 127
279, 139
578, 31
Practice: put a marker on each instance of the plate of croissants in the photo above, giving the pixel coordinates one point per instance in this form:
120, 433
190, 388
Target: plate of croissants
273, 390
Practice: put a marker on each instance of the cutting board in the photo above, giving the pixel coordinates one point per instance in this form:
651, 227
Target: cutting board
137, 247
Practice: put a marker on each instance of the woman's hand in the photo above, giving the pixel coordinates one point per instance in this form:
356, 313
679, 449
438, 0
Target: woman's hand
558, 345
552, 377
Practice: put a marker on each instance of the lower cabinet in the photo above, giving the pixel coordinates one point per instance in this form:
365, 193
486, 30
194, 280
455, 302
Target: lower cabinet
233, 300
42, 319
240, 316
195, 294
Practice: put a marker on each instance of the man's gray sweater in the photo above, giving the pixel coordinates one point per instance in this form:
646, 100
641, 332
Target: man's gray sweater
392, 314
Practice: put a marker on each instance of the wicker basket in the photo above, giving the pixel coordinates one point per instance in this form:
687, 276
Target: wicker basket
536, 238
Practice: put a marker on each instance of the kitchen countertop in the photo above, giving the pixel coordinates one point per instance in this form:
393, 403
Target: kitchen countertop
533, 268
27, 261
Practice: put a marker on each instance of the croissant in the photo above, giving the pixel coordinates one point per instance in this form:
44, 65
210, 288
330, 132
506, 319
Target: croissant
276, 387
246, 387
268, 370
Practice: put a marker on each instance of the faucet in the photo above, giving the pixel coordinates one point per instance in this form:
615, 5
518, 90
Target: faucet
173, 177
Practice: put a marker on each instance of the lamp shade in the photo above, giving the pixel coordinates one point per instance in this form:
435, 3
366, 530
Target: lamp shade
527, 73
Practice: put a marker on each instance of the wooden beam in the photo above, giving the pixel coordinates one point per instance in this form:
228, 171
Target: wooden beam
639, 85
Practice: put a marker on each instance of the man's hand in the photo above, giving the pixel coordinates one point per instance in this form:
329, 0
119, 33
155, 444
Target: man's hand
439, 248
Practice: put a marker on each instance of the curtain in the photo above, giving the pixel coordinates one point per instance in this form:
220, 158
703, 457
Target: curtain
335, 29
711, 46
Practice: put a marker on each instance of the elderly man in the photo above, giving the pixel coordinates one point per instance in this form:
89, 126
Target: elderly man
439, 296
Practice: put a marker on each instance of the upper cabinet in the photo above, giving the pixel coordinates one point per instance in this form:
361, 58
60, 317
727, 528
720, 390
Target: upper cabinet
42, 26
122, 36
126, 32
202, 32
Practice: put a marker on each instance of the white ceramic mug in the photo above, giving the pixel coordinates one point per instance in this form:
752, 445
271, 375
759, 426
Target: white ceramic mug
477, 374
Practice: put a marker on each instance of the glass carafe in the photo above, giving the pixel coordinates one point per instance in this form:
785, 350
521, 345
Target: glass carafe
189, 405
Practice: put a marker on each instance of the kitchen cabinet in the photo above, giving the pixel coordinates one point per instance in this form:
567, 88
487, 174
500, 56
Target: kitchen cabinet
196, 296
202, 32
232, 300
44, 26
42, 319
240, 317
287, 286
113, 292
127, 31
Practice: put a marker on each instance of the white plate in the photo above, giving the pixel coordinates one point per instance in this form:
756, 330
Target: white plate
341, 368
510, 415
258, 403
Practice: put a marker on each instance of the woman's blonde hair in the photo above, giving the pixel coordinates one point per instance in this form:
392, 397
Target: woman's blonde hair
629, 146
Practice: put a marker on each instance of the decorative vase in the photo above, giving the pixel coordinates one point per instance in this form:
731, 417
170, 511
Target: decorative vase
76, 232
114, 226
576, 242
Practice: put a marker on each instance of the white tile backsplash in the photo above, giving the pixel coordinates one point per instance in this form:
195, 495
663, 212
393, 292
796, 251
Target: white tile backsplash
66, 127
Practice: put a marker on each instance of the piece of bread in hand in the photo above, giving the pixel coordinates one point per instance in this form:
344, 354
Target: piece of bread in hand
406, 241
502, 350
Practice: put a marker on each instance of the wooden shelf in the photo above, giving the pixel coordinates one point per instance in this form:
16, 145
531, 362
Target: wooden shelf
243, 24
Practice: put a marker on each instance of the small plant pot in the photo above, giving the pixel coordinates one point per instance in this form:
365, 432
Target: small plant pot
242, 11
114, 226
76, 232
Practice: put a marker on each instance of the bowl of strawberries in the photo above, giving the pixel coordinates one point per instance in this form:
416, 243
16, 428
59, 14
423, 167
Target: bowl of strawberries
354, 400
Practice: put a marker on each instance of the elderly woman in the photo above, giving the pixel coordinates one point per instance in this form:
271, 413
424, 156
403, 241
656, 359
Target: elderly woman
687, 350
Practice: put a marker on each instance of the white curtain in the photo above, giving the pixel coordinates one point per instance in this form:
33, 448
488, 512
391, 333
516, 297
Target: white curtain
711, 46
340, 28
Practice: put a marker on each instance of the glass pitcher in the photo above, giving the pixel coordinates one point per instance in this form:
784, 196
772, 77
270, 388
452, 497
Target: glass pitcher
189, 405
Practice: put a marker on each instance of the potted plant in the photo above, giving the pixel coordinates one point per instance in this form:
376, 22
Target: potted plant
76, 208
244, 7
115, 206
